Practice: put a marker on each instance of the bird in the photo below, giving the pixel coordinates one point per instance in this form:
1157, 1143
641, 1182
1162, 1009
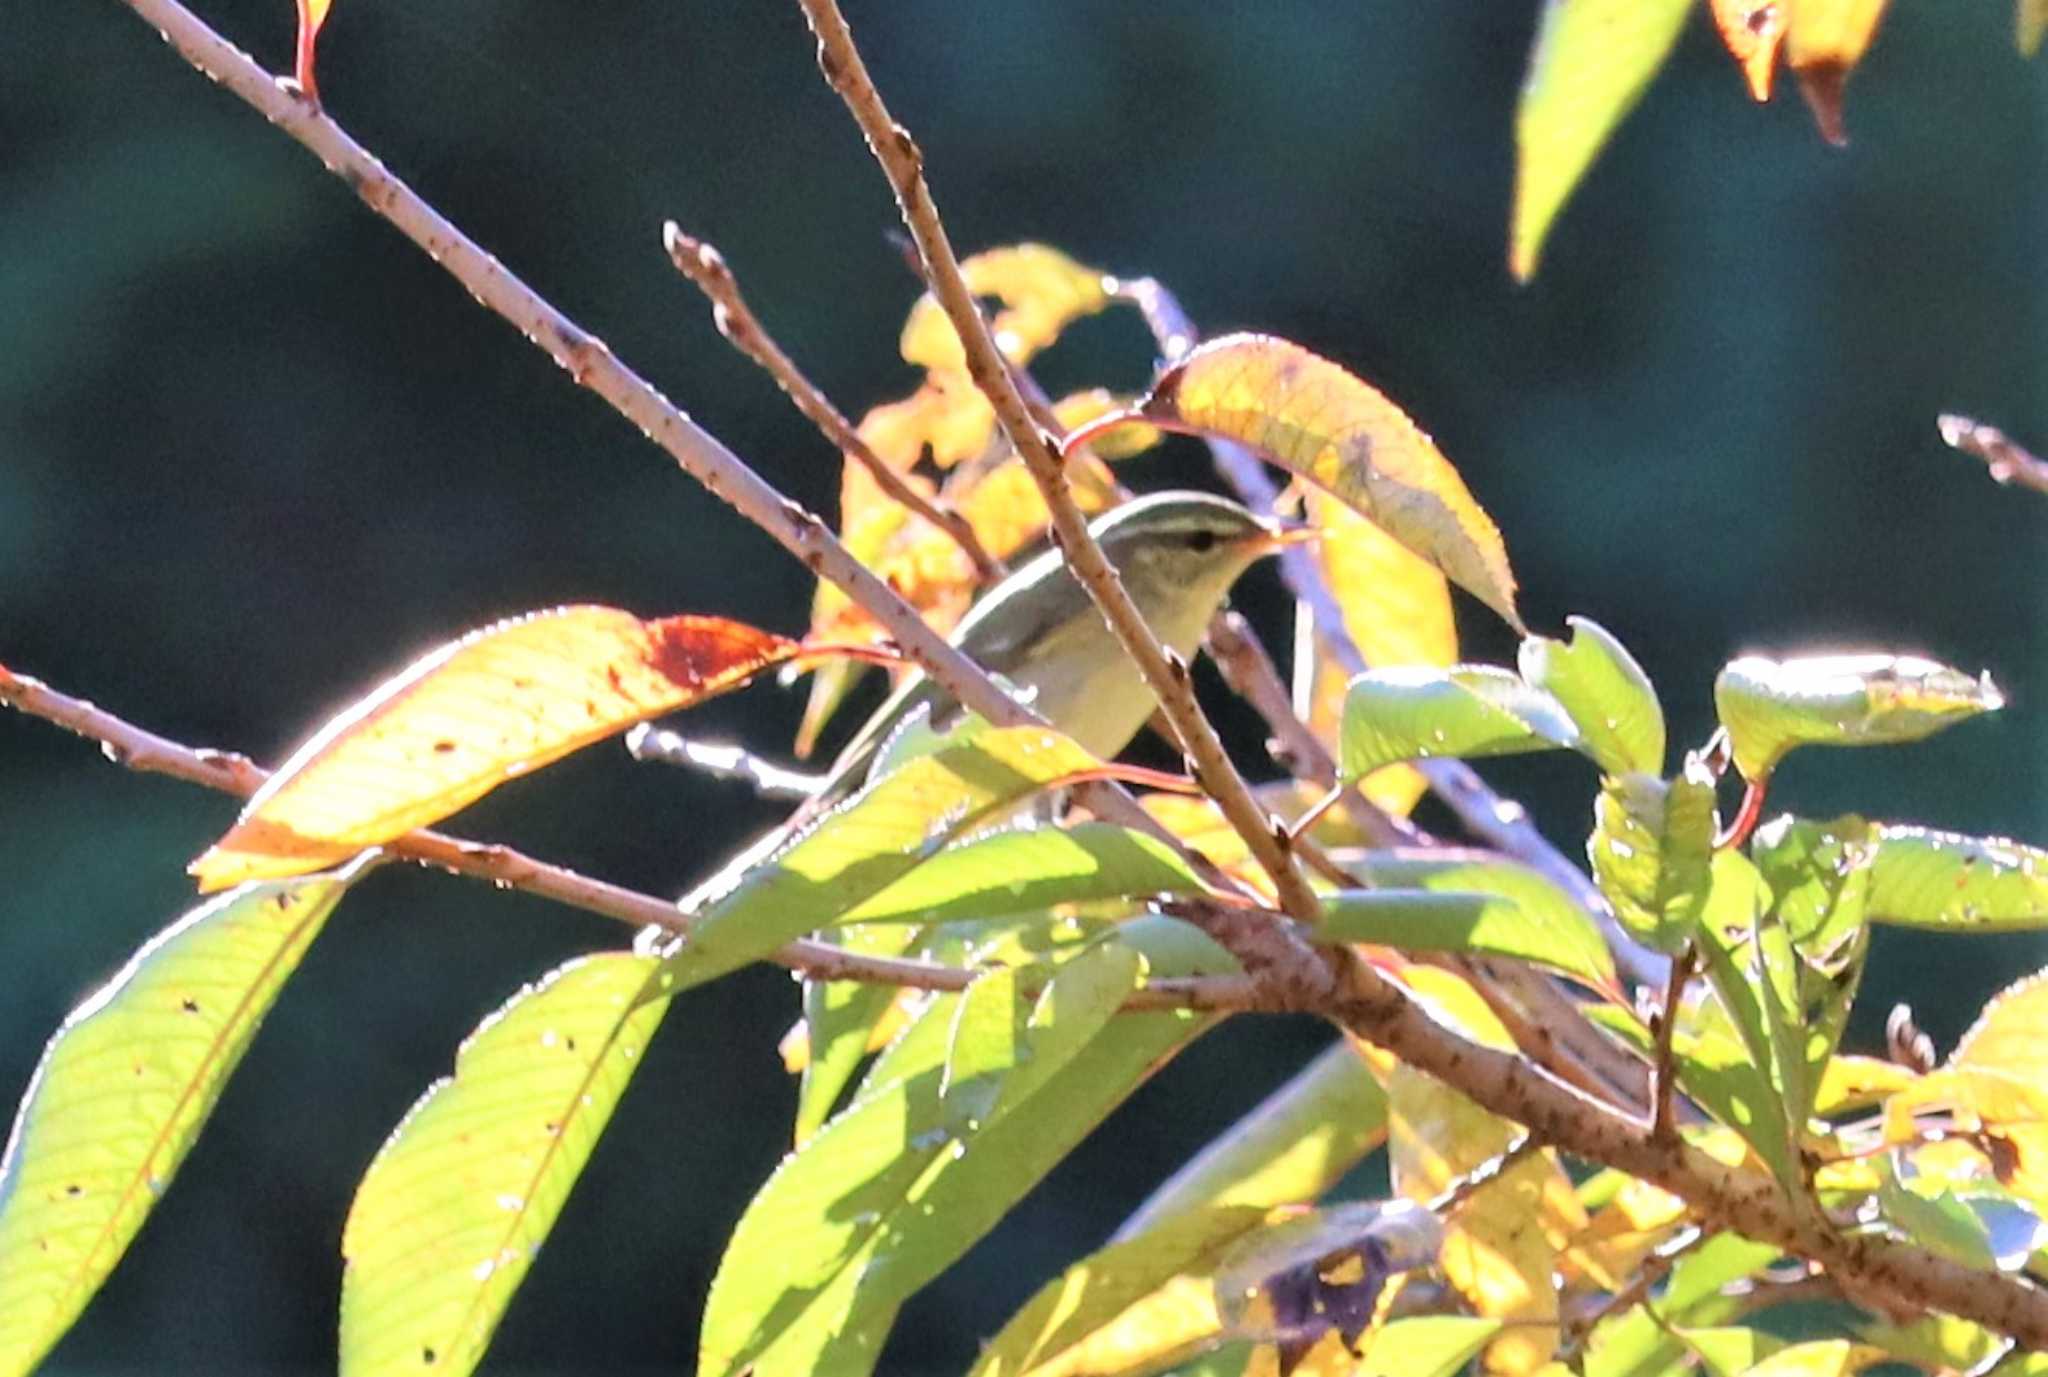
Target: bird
1178, 552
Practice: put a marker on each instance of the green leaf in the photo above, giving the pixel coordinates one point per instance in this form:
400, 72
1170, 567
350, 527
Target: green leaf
1426, 1346
460, 1198
1137, 1305
1729, 1351
881, 834
1943, 880
1651, 846
839, 1018
1935, 1341
1732, 1068
1470, 924
1590, 64
1420, 712
1636, 1344
1930, 1214
1771, 706
124, 1089
1021, 869
1295, 1145
1550, 928
1606, 692
899, 1185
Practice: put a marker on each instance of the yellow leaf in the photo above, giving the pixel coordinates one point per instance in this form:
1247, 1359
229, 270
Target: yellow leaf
1078, 408
1824, 40
1752, 31
1041, 289
494, 705
1200, 825
1997, 1079
1590, 64
1314, 418
1825, 1358
2030, 22
312, 14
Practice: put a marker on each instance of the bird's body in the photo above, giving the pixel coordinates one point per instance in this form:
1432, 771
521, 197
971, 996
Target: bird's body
1178, 554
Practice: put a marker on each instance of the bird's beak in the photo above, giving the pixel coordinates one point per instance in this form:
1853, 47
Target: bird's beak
1278, 532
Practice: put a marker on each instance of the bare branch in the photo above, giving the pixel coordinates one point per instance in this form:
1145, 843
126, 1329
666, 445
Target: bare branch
767, 779
2007, 459
704, 265
902, 161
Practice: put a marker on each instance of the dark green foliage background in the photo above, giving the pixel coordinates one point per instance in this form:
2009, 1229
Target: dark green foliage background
256, 452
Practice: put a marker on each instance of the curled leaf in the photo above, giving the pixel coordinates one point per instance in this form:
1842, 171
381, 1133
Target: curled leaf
1771, 706
462, 720
1605, 691
124, 1089
1824, 40
1308, 415
1590, 64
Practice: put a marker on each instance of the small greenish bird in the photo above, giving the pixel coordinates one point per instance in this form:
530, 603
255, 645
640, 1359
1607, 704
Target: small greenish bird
1178, 553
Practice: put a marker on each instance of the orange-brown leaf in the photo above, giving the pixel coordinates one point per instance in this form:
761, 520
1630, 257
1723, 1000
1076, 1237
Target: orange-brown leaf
496, 704
312, 14
1311, 416
1752, 31
1824, 40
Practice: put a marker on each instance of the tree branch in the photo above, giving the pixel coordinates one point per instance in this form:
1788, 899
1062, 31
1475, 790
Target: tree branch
705, 266
1167, 675
2007, 459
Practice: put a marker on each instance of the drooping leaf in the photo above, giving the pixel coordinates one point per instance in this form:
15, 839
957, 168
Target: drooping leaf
1651, 846
1139, 1305
1420, 713
312, 14
1606, 693
842, 1019
1042, 291
1771, 706
460, 1198
1311, 416
887, 1195
1396, 608
1922, 878
1752, 31
497, 704
125, 1087
2030, 22
1590, 64
1553, 919
1824, 40
1469, 923
1295, 1145
897, 823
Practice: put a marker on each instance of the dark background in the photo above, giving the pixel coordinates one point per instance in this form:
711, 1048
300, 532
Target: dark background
256, 452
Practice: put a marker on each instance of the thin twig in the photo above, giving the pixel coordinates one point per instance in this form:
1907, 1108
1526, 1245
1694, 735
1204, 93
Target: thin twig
1482, 1176
229, 772
768, 780
704, 265
1653, 1270
2007, 459
1664, 1083
1166, 674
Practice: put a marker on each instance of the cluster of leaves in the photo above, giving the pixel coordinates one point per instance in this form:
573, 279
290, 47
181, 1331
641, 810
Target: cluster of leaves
925, 1115
1593, 58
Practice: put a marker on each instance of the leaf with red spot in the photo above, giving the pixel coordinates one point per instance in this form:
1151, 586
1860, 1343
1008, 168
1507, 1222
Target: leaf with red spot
462, 720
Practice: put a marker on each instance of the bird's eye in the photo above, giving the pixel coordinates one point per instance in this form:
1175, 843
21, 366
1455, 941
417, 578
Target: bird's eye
1201, 542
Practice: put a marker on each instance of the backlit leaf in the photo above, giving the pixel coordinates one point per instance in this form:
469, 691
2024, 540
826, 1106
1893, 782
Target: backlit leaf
312, 14
1606, 692
1042, 291
1823, 1358
1771, 706
2030, 22
1549, 921
876, 838
1943, 880
1590, 64
1321, 1271
1752, 31
460, 1198
1929, 1214
1026, 868
844, 1021
497, 704
1422, 713
897, 1186
1295, 1145
124, 1089
1425, 1346
1311, 416
1651, 845
1137, 1306
1419, 920
1824, 40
